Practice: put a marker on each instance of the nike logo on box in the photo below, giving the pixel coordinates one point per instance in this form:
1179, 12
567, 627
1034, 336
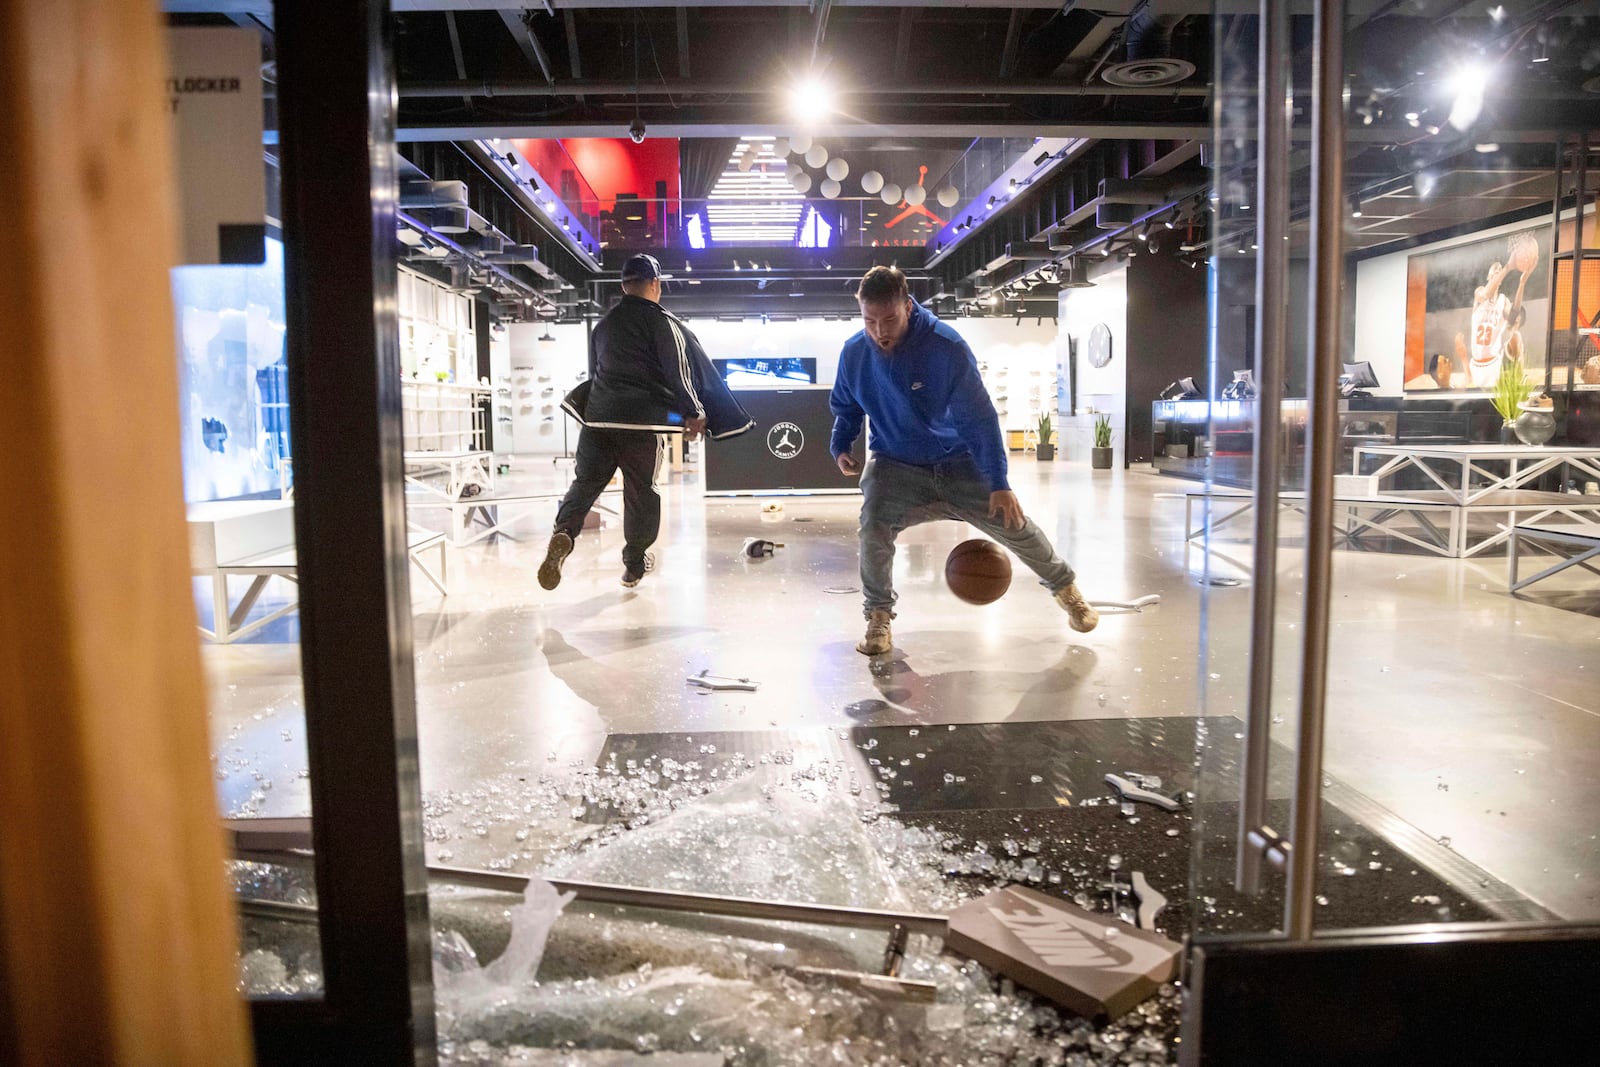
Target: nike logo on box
916, 385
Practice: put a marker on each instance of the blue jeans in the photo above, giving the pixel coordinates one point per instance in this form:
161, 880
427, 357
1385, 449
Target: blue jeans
897, 496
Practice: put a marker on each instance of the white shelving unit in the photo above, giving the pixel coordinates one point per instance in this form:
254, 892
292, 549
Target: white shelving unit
442, 417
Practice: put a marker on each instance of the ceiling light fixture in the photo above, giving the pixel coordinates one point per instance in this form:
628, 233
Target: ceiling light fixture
1144, 232
992, 201
810, 102
1041, 159
1355, 205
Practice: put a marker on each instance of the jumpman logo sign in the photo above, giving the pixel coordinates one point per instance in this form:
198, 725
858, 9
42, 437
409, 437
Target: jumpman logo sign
910, 209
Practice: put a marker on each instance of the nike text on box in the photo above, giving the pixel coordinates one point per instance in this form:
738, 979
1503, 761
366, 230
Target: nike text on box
1062, 951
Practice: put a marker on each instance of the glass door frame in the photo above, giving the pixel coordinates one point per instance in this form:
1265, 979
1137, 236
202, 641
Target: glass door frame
336, 109
1444, 990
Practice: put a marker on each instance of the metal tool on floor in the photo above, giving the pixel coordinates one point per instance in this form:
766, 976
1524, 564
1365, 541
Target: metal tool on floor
1137, 793
1135, 901
720, 683
1128, 607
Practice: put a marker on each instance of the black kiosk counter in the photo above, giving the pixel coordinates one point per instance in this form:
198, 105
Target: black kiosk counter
787, 451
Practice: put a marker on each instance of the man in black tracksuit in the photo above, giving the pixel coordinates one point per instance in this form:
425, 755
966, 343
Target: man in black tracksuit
648, 376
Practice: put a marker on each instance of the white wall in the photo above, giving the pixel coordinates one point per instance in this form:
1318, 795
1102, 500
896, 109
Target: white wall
1003, 344
541, 367
1380, 329
1100, 389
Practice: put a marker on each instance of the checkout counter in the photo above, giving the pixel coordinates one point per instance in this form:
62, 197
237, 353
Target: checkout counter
787, 450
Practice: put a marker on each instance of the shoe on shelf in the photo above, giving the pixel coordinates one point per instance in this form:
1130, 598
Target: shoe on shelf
878, 640
631, 576
550, 570
1081, 613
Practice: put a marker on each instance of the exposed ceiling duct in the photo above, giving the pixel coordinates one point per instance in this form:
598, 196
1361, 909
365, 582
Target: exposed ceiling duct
1150, 61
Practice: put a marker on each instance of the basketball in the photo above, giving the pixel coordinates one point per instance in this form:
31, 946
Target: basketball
1525, 255
978, 571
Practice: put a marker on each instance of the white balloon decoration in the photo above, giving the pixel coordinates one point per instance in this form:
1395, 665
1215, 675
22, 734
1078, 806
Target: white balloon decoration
802, 182
792, 170
817, 156
800, 144
838, 169
871, 182
915, 194
831, 188
891, 194
948, 196
746, 162
780, 147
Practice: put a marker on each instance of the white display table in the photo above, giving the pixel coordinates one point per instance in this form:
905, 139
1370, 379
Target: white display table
460, 469
1472, 480
255, 539
1492, 495
1574, 544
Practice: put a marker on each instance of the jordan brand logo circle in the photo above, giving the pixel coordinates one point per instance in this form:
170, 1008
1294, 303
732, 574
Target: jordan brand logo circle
785, 440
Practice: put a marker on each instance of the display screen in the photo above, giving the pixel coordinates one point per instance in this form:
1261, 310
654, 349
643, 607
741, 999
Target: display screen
761, 371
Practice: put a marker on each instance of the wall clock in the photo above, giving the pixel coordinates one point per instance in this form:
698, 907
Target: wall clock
1100, 345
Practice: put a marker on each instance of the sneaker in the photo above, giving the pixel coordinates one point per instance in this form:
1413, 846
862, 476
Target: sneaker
1084, 617
631, 576
550, 570
878, 639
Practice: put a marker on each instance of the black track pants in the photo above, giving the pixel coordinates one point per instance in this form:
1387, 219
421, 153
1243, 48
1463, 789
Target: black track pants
600, 452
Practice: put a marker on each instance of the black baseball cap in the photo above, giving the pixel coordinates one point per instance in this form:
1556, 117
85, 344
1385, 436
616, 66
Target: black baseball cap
642, 268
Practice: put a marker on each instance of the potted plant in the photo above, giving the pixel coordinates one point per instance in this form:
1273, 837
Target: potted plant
1047, 446
1510, 389
1100, 455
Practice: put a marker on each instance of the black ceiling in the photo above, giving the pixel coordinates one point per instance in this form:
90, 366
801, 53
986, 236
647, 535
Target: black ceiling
932, 77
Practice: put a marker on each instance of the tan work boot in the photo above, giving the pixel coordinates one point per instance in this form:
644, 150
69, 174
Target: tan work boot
550, 570
878, 639
1083, 616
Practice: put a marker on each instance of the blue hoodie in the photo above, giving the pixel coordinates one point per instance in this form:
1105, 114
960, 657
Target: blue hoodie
925, 400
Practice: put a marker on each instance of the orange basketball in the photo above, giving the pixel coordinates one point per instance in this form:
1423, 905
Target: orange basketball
1525, 256
978, 571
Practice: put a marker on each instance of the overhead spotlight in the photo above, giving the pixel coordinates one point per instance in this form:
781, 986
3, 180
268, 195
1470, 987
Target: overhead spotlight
1041, 159
688, 268
810, 102
992, 300
736, 265
1468, 84
1171, 221
991, 202
636, 130
969, 222
1541, 51
1011, 184
1144, 232
1355, 206
1105, 251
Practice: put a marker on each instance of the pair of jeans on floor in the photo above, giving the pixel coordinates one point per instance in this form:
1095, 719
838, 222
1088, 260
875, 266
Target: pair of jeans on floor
897, 496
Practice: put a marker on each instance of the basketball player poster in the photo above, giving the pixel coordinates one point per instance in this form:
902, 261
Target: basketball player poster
1472, 307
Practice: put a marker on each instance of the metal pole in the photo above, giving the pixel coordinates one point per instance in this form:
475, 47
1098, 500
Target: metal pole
1272, 271
1327, 276
1555, 246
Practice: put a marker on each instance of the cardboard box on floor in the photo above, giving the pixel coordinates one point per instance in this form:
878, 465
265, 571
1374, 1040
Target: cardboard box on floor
1063, 952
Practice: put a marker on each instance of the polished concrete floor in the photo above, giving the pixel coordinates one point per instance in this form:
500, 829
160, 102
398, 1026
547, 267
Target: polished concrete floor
1460, 717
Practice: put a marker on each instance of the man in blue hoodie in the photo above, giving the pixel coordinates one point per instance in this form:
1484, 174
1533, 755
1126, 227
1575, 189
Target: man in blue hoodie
936, 449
